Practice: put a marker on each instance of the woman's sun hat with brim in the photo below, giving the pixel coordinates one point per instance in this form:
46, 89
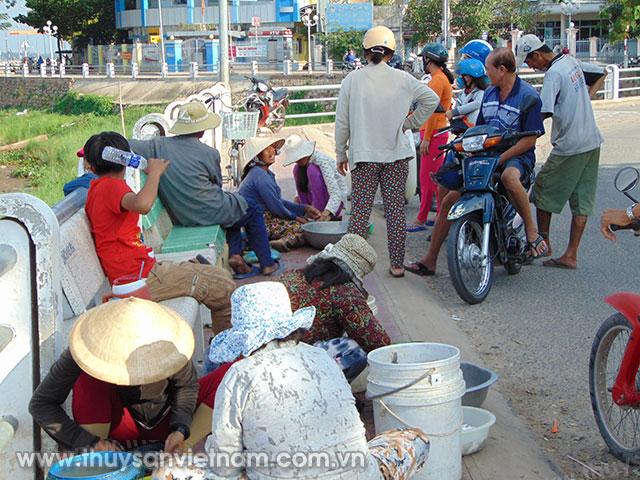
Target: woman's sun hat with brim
260, 313
255, 145
193, 117
295, 149
353, 254
131, 341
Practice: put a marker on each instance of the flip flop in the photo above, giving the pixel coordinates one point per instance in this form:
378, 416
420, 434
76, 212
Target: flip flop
251, 257
534, 245
555, 263
251, 273
415, 228
429, 223
422, 269
276, 272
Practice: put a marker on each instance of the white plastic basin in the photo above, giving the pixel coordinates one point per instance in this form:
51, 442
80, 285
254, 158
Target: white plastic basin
476, 423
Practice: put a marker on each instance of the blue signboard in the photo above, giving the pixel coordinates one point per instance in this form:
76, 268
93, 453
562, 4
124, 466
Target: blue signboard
349, 16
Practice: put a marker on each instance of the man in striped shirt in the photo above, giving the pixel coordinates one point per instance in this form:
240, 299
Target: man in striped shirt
500, 108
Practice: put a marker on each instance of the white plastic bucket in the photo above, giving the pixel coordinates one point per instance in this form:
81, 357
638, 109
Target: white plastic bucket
371, 301
431, 400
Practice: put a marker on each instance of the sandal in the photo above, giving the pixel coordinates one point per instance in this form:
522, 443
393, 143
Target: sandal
534, 245
421, 269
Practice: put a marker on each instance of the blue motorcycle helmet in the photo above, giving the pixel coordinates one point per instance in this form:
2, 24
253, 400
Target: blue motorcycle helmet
477, 49
471, 67
449, 175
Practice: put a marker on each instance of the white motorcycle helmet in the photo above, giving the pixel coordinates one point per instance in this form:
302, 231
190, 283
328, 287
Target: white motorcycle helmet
379, 36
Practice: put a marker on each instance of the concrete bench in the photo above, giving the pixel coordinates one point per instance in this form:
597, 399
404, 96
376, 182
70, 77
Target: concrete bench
84, 281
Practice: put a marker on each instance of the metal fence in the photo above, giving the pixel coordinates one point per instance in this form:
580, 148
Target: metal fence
618, 81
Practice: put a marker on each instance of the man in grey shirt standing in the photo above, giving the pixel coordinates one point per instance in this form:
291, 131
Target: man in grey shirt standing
191, 188
571, 171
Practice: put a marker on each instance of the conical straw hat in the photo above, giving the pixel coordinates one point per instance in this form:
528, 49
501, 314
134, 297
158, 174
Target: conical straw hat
131, 342
257, 144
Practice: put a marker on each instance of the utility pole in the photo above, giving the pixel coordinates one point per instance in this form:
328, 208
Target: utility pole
164, 60
223, 37
445, 23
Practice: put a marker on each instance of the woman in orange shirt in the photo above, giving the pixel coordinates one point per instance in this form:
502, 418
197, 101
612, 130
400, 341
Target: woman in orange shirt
434, 58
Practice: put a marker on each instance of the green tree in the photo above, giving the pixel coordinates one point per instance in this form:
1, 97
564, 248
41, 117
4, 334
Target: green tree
5, 21
79, 21
340, 41
617, 15
469, 18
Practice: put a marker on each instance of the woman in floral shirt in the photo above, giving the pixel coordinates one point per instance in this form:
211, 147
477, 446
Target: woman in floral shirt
332, 282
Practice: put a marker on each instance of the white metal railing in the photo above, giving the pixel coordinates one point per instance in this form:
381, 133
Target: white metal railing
614, 85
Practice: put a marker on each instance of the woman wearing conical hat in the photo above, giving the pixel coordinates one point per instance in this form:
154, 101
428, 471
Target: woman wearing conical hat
283, 219
129, 366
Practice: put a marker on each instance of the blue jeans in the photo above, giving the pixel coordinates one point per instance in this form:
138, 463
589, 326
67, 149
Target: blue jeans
253, 223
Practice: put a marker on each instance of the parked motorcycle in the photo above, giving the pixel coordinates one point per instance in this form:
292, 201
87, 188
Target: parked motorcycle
351, 66
485, 225
614, 381
271, 104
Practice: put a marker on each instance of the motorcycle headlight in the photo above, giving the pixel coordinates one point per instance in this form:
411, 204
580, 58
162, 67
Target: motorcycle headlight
263, 87
473, 144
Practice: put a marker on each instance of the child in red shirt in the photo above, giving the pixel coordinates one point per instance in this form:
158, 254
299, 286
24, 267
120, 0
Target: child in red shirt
114, 209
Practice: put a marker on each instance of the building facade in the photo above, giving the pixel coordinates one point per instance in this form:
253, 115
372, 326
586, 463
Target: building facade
260, 30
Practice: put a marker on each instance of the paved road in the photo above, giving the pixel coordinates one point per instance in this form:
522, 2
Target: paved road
535, 329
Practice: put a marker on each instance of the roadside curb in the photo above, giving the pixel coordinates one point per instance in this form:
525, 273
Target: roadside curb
511, 450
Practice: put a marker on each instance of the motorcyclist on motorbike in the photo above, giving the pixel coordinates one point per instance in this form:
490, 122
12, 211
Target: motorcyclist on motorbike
476, 49
504, 82
471, 79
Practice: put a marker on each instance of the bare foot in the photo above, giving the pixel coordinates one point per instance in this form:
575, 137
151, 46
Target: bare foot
238, 265
396, 271
270, 270
279, 245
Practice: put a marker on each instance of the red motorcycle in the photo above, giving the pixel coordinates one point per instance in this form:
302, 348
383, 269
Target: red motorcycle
271, 104
614, 380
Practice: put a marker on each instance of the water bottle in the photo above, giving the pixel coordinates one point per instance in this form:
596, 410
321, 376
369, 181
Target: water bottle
122, 157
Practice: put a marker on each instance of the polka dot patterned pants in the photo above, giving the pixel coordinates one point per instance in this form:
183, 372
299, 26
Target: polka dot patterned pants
392, 178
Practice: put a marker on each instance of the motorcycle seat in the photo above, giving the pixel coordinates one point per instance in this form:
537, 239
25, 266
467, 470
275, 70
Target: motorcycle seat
279, 94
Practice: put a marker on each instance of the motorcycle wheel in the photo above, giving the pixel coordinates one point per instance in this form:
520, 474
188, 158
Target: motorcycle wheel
471, 280
277, 117
618, 425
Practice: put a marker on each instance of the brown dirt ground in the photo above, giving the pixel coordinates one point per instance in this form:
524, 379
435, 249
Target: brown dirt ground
8, 183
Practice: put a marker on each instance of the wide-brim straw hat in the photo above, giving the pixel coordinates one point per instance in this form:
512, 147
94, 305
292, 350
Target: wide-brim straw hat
353, 254
193, 117
131, 341
257, 144
294, 149
260, 313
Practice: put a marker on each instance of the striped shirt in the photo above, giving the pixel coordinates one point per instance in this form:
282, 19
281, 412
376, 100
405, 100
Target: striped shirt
506, 115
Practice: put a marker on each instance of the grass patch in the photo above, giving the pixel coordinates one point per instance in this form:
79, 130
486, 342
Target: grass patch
11, 158
72, 103
48, 165
311, 107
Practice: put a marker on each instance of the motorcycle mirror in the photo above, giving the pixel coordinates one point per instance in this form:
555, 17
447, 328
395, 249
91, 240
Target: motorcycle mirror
626, 180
